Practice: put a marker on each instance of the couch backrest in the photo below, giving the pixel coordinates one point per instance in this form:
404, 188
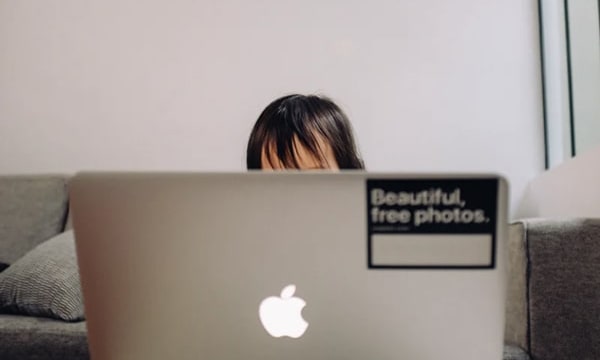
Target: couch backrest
562, 288
32, 209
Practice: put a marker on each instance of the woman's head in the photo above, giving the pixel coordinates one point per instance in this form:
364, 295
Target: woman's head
302, 132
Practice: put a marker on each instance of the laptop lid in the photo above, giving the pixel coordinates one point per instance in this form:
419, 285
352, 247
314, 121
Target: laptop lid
292, 265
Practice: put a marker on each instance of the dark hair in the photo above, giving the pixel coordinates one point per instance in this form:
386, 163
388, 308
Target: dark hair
307, 120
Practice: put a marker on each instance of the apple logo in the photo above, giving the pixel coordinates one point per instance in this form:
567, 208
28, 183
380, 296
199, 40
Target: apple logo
282, 316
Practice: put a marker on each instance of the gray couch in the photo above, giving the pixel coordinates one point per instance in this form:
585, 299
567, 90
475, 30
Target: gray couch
33, 209
553, 302
553, 305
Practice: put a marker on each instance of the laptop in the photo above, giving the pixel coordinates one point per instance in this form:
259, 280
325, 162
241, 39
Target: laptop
291, 265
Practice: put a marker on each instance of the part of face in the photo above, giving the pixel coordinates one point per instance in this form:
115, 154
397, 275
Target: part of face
306, 161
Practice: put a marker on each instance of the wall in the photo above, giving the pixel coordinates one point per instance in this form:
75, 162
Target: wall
567, 190
430, 86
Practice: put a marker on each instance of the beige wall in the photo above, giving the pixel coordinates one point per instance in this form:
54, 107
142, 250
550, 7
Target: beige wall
571, 189
176, 85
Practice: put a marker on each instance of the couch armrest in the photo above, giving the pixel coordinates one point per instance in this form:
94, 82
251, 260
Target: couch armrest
515, 331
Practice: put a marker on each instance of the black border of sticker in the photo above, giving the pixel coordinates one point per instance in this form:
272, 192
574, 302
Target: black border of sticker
490, 266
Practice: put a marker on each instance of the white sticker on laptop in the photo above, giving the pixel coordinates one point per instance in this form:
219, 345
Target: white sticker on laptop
432, 223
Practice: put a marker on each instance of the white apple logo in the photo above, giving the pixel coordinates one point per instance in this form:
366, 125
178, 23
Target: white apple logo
282, 316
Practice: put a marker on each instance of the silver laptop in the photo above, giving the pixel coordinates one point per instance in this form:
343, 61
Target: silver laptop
292, 265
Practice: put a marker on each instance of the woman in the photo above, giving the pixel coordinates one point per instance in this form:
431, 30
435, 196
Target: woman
302, 132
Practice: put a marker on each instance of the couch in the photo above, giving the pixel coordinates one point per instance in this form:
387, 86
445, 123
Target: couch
553, 298
552, 308
32, 210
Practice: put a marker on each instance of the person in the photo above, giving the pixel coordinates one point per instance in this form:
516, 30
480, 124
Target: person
302, 132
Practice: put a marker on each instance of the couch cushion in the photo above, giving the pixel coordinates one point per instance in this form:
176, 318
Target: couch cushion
564, 288
32, 209
44, 282
512, 352
31, 338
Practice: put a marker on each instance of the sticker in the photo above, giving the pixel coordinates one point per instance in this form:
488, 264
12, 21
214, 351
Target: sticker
432, 223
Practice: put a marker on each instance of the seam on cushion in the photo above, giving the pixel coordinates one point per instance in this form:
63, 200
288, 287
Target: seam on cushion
65, 219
